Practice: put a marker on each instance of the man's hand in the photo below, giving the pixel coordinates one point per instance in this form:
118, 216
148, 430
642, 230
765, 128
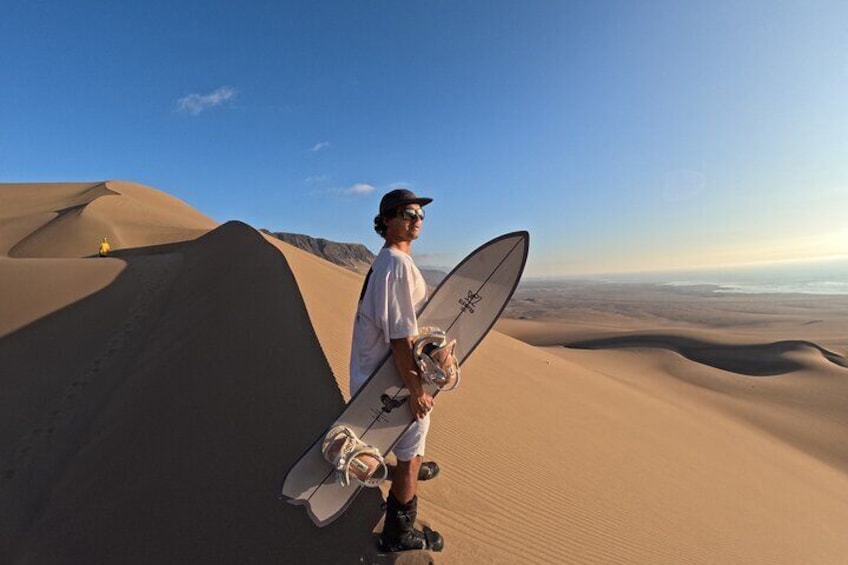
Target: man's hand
421, 404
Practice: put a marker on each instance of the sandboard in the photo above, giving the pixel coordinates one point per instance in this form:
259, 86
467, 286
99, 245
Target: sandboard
465, 305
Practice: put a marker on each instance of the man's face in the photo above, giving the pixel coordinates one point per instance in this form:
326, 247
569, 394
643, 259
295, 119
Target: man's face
405, 224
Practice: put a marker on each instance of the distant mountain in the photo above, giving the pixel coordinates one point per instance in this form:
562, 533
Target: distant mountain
433, 276
353, 256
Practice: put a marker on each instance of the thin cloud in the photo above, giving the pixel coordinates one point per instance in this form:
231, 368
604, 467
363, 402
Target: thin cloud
194, 104
360, 189
683, 185
320, 146
315, 179
355, 190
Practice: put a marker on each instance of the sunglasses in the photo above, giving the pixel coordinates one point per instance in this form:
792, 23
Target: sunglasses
411, 213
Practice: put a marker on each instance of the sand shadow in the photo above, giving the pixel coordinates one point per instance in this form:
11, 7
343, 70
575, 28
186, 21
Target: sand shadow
159, 415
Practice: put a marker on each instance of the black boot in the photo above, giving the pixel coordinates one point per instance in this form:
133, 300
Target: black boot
399, 533
428, 470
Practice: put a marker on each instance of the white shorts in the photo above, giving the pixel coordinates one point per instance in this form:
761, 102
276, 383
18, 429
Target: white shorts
413, 441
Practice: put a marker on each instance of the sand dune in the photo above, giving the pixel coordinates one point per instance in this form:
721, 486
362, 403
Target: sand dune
159, 431
794, 390
585, 309
754, 360
153, 401
70, 219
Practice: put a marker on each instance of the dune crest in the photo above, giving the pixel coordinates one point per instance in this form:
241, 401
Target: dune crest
764, 359
69, 219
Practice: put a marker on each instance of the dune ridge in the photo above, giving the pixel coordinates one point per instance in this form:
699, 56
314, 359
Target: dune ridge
793, 390
149, 413
70, 219
762, 359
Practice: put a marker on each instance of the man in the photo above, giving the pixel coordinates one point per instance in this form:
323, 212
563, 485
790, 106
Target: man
393, 292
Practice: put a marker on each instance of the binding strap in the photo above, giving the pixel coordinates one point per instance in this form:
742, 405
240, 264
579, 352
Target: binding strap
353, 459
435, 355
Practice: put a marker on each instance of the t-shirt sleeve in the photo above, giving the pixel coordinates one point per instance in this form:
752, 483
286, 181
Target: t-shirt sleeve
396, 307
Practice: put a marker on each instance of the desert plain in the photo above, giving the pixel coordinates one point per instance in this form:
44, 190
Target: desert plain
152, 400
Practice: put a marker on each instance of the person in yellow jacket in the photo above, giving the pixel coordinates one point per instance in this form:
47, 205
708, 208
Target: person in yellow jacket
104, 247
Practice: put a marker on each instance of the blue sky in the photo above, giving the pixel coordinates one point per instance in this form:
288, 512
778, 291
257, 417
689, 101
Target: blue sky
624, 135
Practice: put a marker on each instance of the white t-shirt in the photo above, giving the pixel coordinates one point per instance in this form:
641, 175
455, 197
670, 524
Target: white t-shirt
394, 291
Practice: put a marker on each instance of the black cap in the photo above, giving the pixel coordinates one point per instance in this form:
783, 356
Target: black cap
400, 197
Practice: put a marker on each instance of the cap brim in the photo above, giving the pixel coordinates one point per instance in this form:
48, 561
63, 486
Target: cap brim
406, 201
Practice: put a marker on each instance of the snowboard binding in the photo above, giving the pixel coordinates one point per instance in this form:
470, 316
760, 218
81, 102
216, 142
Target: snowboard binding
435, 356
353, 459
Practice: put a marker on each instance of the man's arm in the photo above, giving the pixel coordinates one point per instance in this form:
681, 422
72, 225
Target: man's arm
419, 401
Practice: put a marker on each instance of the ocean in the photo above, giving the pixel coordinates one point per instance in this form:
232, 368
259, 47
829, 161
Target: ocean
825, 277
